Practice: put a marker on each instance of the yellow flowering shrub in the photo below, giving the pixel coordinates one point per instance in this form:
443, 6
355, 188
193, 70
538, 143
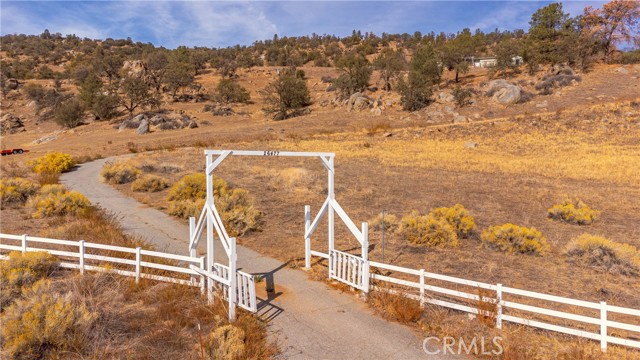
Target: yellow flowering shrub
21, 271
16, 190
120, 172
55, 200
44, 324
53, 162
605, 255
428, 230
187, 198
512, 238
573, 211
458, 217
149, 183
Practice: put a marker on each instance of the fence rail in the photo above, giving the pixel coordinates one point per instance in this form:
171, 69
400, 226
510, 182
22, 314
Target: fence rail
507, 304
442, 296
135, 262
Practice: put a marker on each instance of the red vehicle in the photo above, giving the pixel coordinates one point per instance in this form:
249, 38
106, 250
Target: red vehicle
13, 151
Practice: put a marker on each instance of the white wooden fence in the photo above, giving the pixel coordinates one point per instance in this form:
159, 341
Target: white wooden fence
134, 262
499, 297
608, 324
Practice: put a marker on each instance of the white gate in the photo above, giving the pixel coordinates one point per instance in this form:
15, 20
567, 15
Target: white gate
245, 287
349, 269
356, 272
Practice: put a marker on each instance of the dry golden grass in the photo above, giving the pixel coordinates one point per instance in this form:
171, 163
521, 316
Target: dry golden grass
395, 307
592, 155
109, 316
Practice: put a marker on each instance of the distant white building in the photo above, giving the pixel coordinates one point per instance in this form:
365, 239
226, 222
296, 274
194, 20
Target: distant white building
489, 61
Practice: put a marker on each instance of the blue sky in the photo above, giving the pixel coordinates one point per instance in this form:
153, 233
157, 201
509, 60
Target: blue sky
219, 24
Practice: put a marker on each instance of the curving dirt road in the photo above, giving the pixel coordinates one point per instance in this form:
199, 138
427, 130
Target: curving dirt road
307, 318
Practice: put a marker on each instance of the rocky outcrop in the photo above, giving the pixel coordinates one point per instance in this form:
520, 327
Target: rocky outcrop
504, 92
135, 68
143, 128
358, 102
143, 123
11, 124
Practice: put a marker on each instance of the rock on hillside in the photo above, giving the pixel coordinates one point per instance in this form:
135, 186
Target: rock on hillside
11, 124
504, 92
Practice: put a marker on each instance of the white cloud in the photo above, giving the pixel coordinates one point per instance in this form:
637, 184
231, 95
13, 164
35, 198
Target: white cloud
511, 15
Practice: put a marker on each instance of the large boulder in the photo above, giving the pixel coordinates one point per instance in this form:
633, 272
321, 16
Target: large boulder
130, 123
11, 124
508, 95
143, 128
358, 102
134, 68
504, 92
158, 119
498, 84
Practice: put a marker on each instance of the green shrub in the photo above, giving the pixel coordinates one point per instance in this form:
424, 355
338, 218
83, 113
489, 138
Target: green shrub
630, 57
458, 217
70, 113
573, 211
105, 107
511, 238
604, 255
149, 183
55, 200
286, 96
54, 162
16, 190
226, 343
461, 95
21, 271
120, 172
229, 91
186, 198
428, 230
45, 325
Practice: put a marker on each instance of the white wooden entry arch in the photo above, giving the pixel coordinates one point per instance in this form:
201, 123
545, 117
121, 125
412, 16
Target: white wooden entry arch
240, 289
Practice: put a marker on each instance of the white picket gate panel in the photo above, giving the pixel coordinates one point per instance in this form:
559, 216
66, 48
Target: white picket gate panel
349, 269
245, 284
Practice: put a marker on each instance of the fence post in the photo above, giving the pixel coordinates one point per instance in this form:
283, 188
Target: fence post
24, 243
192, 233
203, 268
192, 250
365, 257
307, 238
81, 251
498, 306
603, 326
232, 279
138, 261
422, 287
